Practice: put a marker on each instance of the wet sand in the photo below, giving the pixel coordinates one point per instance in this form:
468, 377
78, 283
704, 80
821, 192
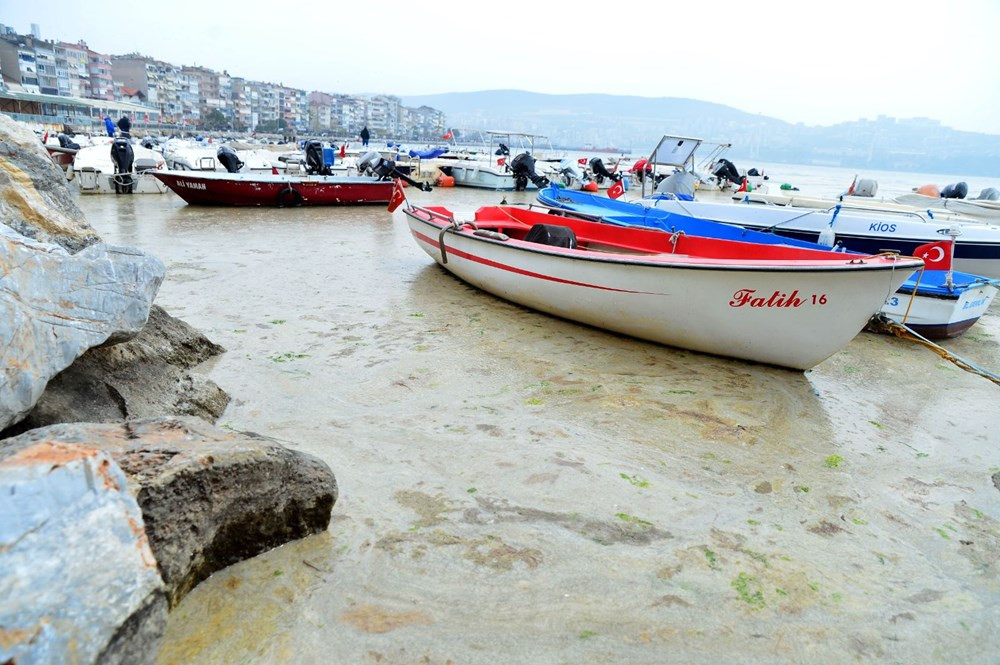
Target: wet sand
517, 488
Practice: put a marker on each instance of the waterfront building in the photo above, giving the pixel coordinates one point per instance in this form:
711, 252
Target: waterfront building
72, 78
100, 81
180, 96
18, 64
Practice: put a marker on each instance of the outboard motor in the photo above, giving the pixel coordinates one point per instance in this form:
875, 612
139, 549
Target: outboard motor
866, 187
523, 168
601, 172
372, 163
67, 142
726, 170
989, 194
680, 183
125, 125
229, 159
123, 156
315, 164
956, 191
570, 173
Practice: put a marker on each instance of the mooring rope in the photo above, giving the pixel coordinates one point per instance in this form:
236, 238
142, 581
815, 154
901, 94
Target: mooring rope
886, 324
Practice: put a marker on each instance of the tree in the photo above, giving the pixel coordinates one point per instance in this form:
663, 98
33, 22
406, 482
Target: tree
215, 120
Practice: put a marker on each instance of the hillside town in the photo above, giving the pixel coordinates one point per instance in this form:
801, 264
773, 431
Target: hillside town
55, 82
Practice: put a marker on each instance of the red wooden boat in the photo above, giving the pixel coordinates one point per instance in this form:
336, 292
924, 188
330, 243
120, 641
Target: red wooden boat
62, 157
264, 189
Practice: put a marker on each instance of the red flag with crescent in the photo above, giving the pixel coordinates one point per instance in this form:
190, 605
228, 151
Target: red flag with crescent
616, 190
449, 134
936, 255
343, 150
398, 197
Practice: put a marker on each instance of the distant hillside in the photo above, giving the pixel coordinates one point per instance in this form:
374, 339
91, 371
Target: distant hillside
634, 124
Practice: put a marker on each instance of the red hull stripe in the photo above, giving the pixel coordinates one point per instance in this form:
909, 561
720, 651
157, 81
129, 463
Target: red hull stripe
519, 271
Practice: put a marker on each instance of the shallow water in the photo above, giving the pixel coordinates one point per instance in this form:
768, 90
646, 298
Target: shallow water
517, 488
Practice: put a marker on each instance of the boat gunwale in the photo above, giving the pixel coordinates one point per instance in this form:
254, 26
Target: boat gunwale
680, 261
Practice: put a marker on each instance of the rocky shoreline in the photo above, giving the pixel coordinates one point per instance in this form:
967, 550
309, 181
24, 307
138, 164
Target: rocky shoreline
120, 494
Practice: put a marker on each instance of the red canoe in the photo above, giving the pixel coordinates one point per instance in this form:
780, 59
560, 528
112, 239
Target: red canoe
264, 189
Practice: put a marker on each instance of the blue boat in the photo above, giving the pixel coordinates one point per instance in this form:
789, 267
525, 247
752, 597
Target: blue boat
937, 304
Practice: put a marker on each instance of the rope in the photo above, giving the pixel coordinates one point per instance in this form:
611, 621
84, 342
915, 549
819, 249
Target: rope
885, 324
913, 295
454, 226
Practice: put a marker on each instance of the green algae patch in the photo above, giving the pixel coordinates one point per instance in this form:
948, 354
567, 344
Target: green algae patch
748, 591
833, 461
288, 357
635, 480
632, 519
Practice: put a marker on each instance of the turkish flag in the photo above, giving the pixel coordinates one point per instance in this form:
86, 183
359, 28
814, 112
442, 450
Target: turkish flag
398, 197
616, 190
501, 161
448, 135
582, 161
343, 150
936, 255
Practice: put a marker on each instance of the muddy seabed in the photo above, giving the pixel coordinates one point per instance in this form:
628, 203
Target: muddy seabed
520, 489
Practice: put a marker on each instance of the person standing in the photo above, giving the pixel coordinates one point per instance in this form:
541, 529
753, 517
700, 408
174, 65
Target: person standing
365, 135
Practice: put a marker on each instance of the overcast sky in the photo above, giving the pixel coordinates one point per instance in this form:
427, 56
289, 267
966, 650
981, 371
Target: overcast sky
797, 60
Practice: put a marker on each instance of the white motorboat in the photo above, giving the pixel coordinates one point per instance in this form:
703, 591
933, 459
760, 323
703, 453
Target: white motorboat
772, 304
96, 171
504, 167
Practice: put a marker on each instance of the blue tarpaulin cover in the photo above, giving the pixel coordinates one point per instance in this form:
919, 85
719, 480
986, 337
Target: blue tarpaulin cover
428, 154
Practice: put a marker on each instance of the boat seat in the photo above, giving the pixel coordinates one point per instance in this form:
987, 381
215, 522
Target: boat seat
552, 234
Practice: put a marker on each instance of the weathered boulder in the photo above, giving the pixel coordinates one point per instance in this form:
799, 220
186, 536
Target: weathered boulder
77, 577
34, 198
143, 378
54, 306
209, 497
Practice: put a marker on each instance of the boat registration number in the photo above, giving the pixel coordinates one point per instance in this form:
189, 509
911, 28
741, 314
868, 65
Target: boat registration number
190, 185
750, 298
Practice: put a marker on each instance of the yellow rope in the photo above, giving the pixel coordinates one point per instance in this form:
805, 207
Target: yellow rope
913, 295
885, 324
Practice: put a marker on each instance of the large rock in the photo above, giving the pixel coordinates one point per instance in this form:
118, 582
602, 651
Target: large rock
209, 498
34, 198
54, 306
142, 378
77, 576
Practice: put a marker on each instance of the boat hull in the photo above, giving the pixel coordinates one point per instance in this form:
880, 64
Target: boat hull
62, 157
940, 316
936, 311
98, 182
790, 317
485, 177
249, 189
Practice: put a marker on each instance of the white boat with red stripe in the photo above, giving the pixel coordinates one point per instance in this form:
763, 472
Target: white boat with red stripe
771, 304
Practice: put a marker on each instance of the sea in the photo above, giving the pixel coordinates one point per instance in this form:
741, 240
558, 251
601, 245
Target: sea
516, 488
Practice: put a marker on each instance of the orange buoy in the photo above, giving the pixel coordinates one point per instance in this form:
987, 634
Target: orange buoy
590, 187
928, 190
446, 181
